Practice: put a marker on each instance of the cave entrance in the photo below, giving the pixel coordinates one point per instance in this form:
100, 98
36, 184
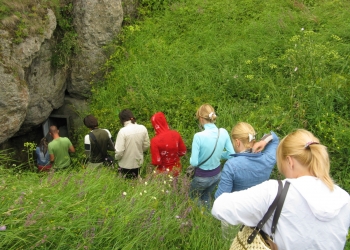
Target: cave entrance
61, 122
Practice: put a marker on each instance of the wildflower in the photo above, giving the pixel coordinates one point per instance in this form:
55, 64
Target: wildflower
146, 183
153, 197
235, 76
296, 68
302, 29
167, 170
124, 193
177, 217
154, 172
140, 193
2, 228
163, 190
145, 191
165, 182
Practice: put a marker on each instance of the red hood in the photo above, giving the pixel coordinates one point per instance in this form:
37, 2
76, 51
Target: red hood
159, 123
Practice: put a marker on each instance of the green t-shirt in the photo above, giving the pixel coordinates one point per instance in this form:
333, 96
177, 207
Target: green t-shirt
59, 148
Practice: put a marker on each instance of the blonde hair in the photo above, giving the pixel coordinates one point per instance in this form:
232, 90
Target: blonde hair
303, 146
207, 112
241, 132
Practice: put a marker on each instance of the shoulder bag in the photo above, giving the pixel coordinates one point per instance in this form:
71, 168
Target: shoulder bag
249, 238
191, 169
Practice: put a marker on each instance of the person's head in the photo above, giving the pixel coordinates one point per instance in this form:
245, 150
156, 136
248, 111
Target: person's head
302, 148
159, 122
53, 131
91, 122
243, 136
206, 114
43, 145
126, 115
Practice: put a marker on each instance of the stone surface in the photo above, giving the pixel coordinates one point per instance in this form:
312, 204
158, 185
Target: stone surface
97, 23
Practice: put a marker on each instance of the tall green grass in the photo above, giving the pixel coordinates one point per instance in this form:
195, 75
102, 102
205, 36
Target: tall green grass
279, 65
97, 209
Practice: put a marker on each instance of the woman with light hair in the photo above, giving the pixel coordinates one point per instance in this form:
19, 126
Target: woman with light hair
248, 166
207, 151
316, 212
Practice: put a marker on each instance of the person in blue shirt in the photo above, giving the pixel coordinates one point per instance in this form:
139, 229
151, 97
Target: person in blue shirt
246, 169
43, 156
207, 170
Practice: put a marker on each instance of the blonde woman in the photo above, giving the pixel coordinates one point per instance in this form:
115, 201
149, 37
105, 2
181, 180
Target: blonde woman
205, 158
316, 212
247, 168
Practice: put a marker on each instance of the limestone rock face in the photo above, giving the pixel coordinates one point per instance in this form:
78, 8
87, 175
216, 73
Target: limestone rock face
29, 89
97, 22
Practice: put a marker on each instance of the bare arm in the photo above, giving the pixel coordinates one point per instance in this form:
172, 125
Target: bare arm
71, 149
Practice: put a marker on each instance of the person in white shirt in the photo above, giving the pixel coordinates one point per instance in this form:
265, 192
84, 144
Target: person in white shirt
132, 140
316, 212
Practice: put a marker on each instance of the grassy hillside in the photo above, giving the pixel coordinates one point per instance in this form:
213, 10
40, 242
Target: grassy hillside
277, 64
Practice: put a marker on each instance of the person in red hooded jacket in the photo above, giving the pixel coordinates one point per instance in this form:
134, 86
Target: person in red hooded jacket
166, 147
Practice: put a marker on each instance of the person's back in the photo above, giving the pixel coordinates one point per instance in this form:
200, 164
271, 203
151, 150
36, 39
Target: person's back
315, 213
59, 149
97, 142
167, 146
312, 217
246, 168
132, 140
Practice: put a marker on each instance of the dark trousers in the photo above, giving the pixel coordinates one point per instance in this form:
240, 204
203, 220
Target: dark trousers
129, 173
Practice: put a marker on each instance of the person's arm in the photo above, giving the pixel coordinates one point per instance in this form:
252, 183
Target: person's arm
146, 141
182, 147
110, 145
156, 159
52, 158
228, 145
195, 151
260, 145
71, 149
226, 180
119, 146
87, 145
245, 207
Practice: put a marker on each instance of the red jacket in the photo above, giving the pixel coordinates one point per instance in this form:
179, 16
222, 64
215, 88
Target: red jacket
167, 146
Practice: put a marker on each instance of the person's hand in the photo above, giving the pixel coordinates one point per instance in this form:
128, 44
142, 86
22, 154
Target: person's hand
258, 146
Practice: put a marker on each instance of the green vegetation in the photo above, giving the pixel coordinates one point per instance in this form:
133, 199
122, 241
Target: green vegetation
279, 65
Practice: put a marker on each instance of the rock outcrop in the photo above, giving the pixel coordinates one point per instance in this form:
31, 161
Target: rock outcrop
97, 22
30, 89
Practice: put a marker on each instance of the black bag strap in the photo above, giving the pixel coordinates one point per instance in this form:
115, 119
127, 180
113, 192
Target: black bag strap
93, 137
279, 208
216, 143
278, 202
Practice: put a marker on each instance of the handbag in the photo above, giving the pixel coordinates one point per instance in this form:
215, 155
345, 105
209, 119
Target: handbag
254, 238
191, 169
107, 159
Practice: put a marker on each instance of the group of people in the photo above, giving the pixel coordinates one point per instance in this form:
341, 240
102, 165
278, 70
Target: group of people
315, 214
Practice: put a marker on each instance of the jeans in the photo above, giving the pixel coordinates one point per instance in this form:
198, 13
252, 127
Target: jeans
203, 187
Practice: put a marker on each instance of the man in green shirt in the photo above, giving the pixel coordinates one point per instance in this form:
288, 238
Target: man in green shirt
59, 149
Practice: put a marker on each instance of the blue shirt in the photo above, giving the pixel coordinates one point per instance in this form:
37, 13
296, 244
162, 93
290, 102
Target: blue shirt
41, 159
245, 170
203, 145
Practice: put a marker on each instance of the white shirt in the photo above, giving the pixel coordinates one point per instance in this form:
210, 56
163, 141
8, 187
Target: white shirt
132, 140
312, 217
